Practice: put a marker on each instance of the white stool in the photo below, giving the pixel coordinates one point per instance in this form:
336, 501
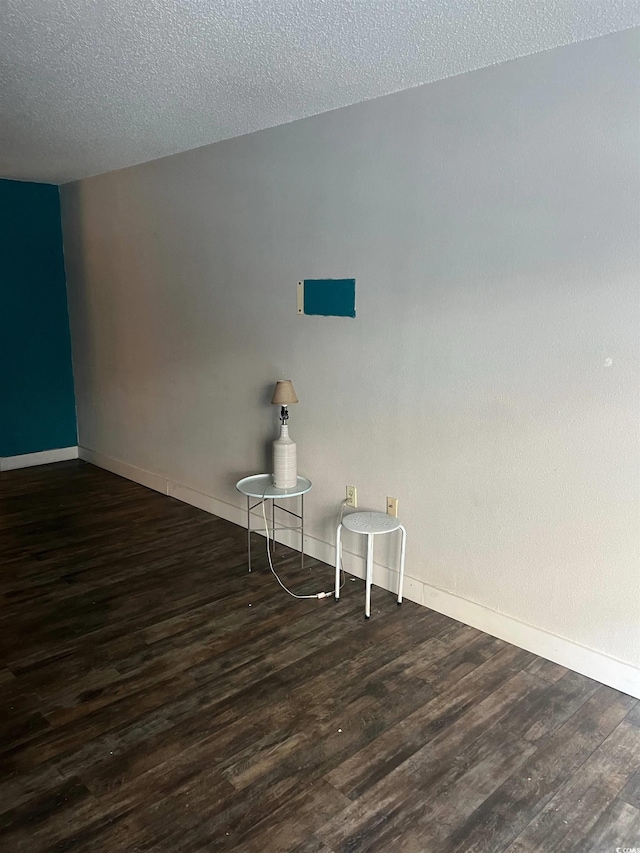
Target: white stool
370, 524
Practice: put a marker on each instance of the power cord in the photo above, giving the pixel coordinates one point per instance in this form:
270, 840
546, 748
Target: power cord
275, 574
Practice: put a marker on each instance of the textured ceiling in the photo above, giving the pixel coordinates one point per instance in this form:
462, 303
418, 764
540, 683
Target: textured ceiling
87, 86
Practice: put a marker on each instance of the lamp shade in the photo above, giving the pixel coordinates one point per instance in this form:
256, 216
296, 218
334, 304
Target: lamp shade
284, 394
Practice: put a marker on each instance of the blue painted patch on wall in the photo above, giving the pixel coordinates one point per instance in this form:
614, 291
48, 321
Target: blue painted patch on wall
328, 297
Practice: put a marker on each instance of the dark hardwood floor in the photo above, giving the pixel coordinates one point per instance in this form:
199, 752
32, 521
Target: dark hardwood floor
157, 697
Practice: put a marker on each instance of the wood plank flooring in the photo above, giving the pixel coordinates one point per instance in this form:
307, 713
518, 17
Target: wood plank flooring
157, 697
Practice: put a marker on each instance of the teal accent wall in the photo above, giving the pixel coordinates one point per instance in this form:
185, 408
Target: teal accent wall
37, 401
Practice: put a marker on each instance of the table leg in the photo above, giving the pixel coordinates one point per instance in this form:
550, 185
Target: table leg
249, 531
302, 531
273, 525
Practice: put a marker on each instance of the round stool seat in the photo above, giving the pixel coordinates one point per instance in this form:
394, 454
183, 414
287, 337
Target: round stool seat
370, 522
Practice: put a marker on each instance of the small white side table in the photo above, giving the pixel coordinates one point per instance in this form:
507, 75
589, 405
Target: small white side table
261, 486
370, 524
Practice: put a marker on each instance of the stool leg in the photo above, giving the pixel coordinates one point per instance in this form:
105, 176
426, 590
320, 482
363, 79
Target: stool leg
249, 533
403, 543
369, 576
337, 587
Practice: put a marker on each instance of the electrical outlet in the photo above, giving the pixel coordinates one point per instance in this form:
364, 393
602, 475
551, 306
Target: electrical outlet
352, 496
392, 507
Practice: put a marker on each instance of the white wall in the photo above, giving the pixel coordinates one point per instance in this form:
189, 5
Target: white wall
490, 379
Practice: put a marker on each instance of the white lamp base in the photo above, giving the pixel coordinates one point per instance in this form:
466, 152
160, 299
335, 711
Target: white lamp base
285, 463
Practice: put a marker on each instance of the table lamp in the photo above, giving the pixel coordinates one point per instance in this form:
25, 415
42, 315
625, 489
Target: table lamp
285, 472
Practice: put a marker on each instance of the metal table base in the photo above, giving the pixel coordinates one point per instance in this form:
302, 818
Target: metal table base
261, 486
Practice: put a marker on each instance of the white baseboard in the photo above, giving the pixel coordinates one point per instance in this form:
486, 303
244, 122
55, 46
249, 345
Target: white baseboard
124, 469
42, 457
594, 664
590, 662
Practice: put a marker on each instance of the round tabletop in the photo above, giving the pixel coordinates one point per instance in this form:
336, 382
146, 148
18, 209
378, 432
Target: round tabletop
370, 522
261, 486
